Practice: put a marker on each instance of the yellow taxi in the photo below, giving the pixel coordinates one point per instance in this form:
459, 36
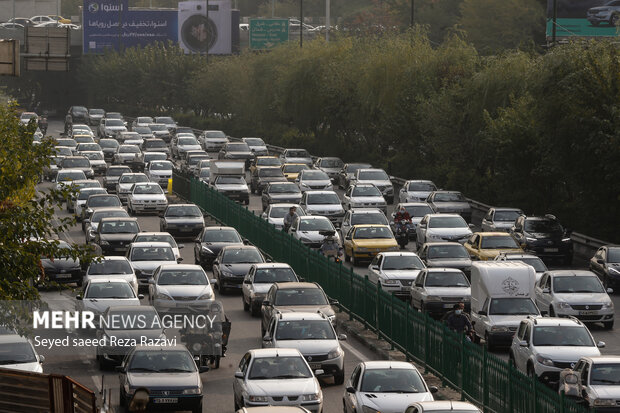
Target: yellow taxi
488, 245
264, 161
60, 19
363, 242
292, 170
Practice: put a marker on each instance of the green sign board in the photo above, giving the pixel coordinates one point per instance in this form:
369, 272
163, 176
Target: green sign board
583, 18
267, 33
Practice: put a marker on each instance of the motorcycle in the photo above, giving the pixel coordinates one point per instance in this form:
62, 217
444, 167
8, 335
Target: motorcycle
330, 247
208, 343
402, 233
43, 125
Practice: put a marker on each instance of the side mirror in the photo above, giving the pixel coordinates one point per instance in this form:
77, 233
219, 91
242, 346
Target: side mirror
197, 240
41, 358
266, 303
350, 389
333, 302
267, 338
600, 261
545, 291
433, 389
293, 229
482, 312
268, 260
179, 259
181, 246
140, 296
600, 344
78, 297
213, 280
374, 267
610, 291
471, 226
246, 241
302, 280
247, 281
238, 375
523, 343
342, 337
151, 281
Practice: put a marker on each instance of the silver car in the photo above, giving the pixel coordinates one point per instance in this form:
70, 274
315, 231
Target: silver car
529, 259
159, 172
146, 197
296, 156
308, 230
416, 190
257, 146
364, 196
436, 290
450, 202
312, 180
101, 293
146, 257
213, 140
361, 216
126, 181
276, 377
377, 177
442, 227
180, 289
323, 203
330, 165
125, 154
275, 213
259, 280
80, 201
446, 254
395, 271
91, 224
500, 219
112, 267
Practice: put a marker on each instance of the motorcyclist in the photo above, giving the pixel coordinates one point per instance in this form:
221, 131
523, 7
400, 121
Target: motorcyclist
458, 321
330, 246
290, 218
402, 219
43, 124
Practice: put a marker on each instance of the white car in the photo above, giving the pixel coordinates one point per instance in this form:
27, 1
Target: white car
575, 293
529, 259
275, 213
416, 190
103, 292
97, 161
257, 146
385, 386
442, 406
159, 172
78, 204
130, 138
361, 216
160, 237
323, 203
544, 346
146, 257
442, 227
436, 290
213, 140
330, 165
25, 117
109, 267
296, 156
500, 219
125, 154
65, 177
313, 180
146, 197
259, 280
184, 144
109, 127
364, 196
126, 181
600, 381
180, 289
81, 129
377, 177
142, 121
308, 230
395, 271
18, 353
276, 377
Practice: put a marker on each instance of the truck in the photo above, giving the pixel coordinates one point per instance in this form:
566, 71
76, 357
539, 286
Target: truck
228, 177
502, 294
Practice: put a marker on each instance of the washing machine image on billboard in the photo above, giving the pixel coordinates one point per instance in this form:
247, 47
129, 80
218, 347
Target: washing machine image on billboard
200, 31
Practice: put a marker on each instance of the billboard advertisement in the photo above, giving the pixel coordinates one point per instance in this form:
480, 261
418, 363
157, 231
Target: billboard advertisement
205, 26
584, 18
110, 24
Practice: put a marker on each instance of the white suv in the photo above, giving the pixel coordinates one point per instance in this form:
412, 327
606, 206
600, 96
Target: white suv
542, 347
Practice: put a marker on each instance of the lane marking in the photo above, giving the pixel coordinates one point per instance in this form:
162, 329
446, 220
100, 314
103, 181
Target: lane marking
353, 351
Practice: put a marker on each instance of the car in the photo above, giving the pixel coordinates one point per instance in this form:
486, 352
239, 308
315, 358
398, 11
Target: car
442, 406
232, 265
257, 146
416, 210
204, 174
101, 293
323, 203
97, 161
76, 205
87, 147
144, 131
275, 213
159, 172
183, 131
377, 177
146, 257
273, 409
78, 185
141, 121
276, 376
21, 20
94, 116
182, 144
18, 353
280, 192
364, 196
263, 176
436, 290
296, 156
606, 264
113, 174
109, 147
108, 128
485, 246
259, 161
575, 293
129, 138
213, 140
347, 173
315, 338
145, 198
543, 236
26, 117
77, 114
125, 154
363, 242
395, 272
529, 259
183, 220
450, 202
544, 346
313, 180
385, 386
416, 190
172, 371
80, 163
291, 170
66, 143
167, 121
81, 129
62, 268
598, 384
155, 145
308, 229
210, 242
97, 201
192, 159
202, 164
114, 235
65, 177
90, 225
608, 13
236, 150
259, 280
160, 131
116, 116
159, 237
500, 219
295, 297
111, 267
126, 181
330, 165
50, 171
140, 160
180, 289
442, 227
14, 26
360, 216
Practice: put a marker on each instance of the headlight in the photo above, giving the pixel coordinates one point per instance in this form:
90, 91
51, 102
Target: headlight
260, 399
226, 273
613, 270
197, 390
499, 329
544, 361
206, 249
337, 352
529, 239
565, 239
608, 305
433, 298
604, 402
387, 281
103, 242
205, 296
162, 296
564, 305
310, 397
366, 409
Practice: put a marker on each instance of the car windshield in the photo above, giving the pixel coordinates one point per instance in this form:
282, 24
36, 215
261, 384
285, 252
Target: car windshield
119, 227
75, 163
156, 156
537, 263
418, 211
254, 141
161, 361
270, 172
605, 374
562, 336
242, 256
110, 290
85, 194
145, 119
392, 381
316, 225
97, 216
274, 275
284, 188
84, 139
155, 127
70, 176
225, 236
421, 187
106, 267
16, 353
152, 254
229, 180
133, 178
106, 200
113, 115
446, 279
205, 173
373, 233
165, 120
114, 122
297, 154
613, 255
314, 175
366, 191
183, 211
218, 134
322, 199
506, 216
136, 319
512, 306
157, 144
449, 197
331, 163
72, 143
542, 225
497, 242
369, 218
373, 176
117, 171
108, 143
160, 166
447, 222
279, 211
85, 147
148, 189
305, 330
300, 296
237, 147
271, 368
188, 141
142, 130
402, 262
128, 149
353, 167
294, 168
182, 277
572, 284
268, 162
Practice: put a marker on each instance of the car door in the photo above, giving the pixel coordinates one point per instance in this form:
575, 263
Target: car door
374, 269
516, 350
472, 246
347, 197
487, 221
545, 295
421, 231
271, 334
350, 401
417, 290
346, 224
348, 243
239, 386
247, 286
597, 262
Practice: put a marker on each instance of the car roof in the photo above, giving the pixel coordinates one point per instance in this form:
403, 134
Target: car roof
109, 219
108, 209
517, 255
272, 265
396, 253
183, 205
295, 285
442, 269
181, 267
445, 405
145, 347
492, 234
388, 364
419, 181
150, 245
364, 210
505, 209
322, 192
442, 215
274, 352
239, 247
120, 166
555, 321
313, 217
603, 359
112, 258
152, 233
371, 226
218, 228
291, 316
101, 280
568, 273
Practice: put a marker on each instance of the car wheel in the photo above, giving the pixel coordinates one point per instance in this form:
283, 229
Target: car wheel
255, 311
530, 371
488, 342
339, 377
608, 325
246, 306
551, 311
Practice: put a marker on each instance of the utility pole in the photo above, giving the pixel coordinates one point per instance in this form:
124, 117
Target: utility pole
273, 8
301, 23
412, 14
327, 18
554, 23
209, 34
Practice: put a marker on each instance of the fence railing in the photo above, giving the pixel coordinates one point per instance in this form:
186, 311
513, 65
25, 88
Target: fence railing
480, 376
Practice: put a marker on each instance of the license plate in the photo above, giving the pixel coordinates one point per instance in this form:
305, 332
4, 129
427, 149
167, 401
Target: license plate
149, 207
119, 249
63, 275
448, 305
186, 229
551, 250
315, 366
166, 400
587, 312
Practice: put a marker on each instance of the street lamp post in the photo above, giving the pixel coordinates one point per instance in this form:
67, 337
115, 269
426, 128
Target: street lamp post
327, 19
301, 23
412, 13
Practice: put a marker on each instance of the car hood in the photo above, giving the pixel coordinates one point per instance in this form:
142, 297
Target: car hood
34, 367
451, 206
163, 380
401, 274
125, 187
116, 128
278, 222
149, 266
503, 224
546, 235
160, 172
125, 155
307, 347
60, 263
392, 402
459, 232
376, 183
237, 269
216, 140
294, 197
606, 392
288, 387
150, 197
366, 199
313, 236
232, 187
265, 179
216, 247
507, 320
449, 262
117, 237
257, 147
449, 291
185, 290
262, 288
324, 207
330, 171
568, 353
316, 182
99, 305
375, 243
189, 147
184, 220
325, 309
583, 298
307, 161
418, 194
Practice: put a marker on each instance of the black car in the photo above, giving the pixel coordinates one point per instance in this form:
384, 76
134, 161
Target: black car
280, 192
211, 241
232, 265
78, 114
61, 269
182, 220
348, 171
109, 147
543, 236
141, 159
112, 176
606, 264
262, 176
155, 145
96, 201
115, 234
236, 150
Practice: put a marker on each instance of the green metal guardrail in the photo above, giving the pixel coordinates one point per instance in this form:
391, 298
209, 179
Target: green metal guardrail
480, 376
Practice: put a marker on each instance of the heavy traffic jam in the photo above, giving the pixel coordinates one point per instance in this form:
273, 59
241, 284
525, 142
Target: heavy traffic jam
510, 282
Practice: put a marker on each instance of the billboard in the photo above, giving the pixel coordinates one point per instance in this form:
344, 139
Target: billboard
268, 33
584, 18
205, 26
110, 24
